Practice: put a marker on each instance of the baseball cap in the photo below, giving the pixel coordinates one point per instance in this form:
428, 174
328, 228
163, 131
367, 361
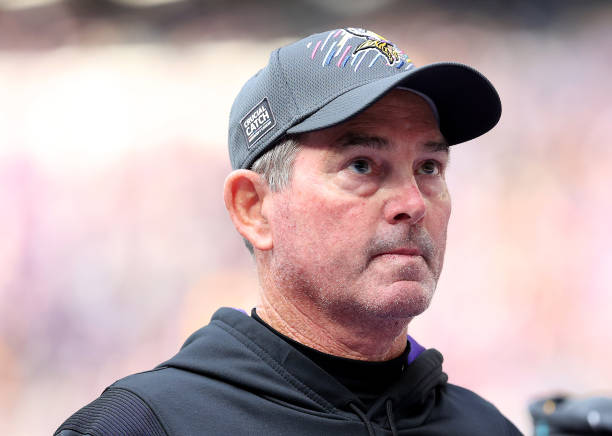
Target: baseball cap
326, 78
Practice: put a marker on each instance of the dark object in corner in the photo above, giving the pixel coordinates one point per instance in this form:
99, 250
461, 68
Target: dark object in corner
564, 416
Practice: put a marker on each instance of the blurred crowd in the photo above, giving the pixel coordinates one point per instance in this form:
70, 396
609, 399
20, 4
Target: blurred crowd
115, 244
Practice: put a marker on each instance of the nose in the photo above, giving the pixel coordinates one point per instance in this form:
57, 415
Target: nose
405, 205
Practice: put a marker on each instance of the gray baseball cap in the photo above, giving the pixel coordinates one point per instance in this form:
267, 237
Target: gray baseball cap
328, 77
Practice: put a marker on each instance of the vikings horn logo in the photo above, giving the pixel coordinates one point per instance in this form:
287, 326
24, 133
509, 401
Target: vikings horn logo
377, 42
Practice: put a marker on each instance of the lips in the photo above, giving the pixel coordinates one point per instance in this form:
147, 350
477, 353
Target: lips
407, 251
398, 245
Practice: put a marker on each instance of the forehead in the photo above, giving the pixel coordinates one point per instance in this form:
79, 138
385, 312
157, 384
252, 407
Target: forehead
400, 116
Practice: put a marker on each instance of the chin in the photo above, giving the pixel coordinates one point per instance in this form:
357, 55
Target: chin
403, 300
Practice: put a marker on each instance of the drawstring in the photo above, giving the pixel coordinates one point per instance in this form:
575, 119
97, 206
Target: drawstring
364, 418
366, 421
390, 417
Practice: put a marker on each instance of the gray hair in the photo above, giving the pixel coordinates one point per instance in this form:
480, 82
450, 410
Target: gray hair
276, 167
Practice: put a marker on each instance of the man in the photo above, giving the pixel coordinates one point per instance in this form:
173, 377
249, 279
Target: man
339, 148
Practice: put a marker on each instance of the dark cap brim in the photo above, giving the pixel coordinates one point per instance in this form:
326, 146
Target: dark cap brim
468, 105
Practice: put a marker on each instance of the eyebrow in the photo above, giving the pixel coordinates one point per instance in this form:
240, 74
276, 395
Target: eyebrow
379, 143
435, 146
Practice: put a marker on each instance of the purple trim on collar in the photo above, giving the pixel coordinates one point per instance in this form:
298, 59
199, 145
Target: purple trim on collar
415, 349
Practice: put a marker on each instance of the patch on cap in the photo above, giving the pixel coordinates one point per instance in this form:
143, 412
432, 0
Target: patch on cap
258, 122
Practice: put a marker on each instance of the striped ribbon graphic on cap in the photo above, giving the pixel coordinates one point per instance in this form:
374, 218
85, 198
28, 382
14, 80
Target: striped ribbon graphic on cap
351, 46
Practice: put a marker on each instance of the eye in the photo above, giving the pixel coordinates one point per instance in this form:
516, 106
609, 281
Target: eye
429, 168
361, 166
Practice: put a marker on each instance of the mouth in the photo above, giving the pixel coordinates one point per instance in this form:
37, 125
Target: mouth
411, 252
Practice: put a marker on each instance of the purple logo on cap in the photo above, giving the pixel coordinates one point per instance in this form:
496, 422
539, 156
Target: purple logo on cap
376, 42
336, 49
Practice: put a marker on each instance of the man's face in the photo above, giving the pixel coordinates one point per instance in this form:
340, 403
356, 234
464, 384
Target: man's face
362, 227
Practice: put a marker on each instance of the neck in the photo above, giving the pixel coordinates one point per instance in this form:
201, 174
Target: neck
352, 336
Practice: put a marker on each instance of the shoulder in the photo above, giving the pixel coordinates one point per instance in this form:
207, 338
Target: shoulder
470, 400
116, 411
471, 407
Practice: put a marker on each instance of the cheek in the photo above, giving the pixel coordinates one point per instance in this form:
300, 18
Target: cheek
360, 187
443, 199
323, 220
439, 210
329, 217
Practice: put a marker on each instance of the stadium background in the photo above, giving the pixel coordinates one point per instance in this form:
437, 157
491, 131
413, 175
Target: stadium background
115, 244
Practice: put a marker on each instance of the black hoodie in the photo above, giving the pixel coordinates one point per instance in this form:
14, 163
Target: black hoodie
236, 377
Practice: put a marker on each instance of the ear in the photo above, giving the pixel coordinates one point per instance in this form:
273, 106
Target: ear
244, 193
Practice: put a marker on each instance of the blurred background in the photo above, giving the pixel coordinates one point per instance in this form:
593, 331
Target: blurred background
115, 244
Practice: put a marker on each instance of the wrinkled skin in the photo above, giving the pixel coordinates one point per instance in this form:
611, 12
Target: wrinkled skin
359, 235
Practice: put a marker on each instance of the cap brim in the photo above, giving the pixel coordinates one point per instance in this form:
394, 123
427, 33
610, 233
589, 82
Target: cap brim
468, 105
